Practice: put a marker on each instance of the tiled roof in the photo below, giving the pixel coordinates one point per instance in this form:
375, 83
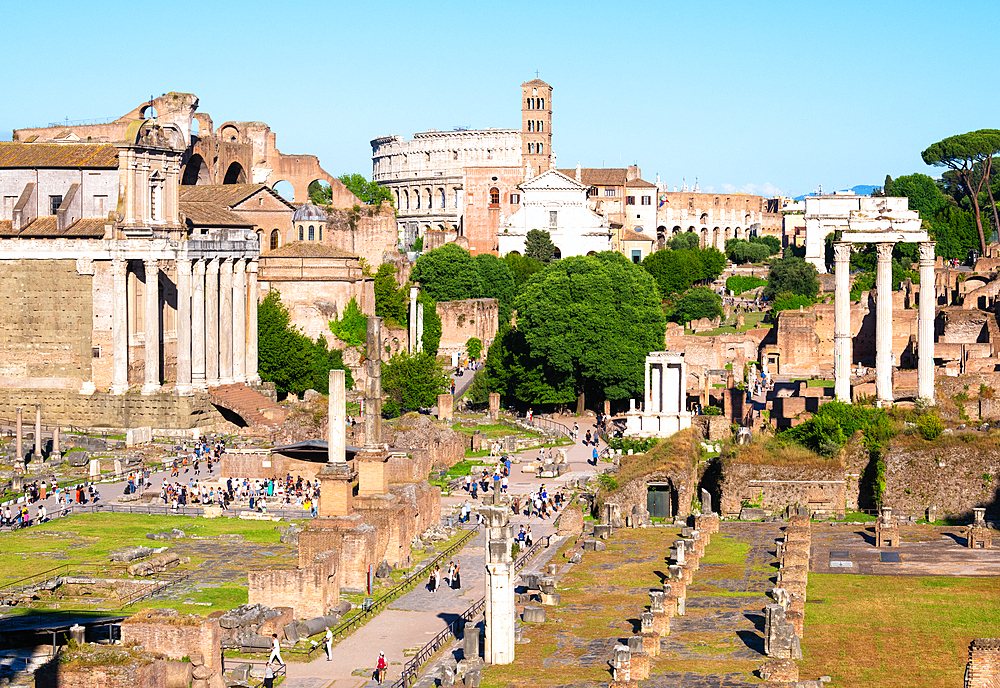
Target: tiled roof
640, 184
43, 227
535, 82
306, 249
632, 235
599, 176
225, 194
211, 215
14, 154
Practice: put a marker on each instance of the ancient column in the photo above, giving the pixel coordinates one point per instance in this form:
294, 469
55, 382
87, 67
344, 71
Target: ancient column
226, 322
198, 326
420, 327
646, 406
37, 454
414, 291
336, 477
184, 386
842, 321
19, 444
152, 328
119, 327
883, 324
240, 321
373, 475
55, 453
925, 320
253, 377
212, 322
500, 612
655, 389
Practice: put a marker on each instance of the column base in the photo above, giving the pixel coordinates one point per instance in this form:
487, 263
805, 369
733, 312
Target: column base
184, 390
150, 388
56, 456
199, 385
88, 388
37, 457
253, 380
119, 389
225, 381
240, 380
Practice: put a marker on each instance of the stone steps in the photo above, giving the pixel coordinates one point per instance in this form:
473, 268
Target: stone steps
256, 409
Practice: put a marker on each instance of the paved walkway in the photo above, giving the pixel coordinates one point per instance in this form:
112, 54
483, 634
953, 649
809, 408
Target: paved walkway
415, 618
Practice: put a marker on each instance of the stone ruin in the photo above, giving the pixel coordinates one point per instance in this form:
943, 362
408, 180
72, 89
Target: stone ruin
780, 640
983, 669
500, 610
979, 536
886, 529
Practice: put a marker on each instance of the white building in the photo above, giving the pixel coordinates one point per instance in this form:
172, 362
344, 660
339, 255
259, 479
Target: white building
663, 411
557, 204
825, 214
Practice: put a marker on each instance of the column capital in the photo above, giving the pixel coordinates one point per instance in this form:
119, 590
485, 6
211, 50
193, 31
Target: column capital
841, 251
184, 266
926, 249
119, 267
212, 265
199, 267
151, 263
252, 265
884, 249
228, 259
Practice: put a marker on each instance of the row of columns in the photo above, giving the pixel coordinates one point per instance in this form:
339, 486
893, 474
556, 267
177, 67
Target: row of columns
842, 338
216, 324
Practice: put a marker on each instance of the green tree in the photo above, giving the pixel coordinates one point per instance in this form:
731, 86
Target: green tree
521, 268
447, 273
792, 274
713, 262
474, 347
325, 360
368, 192
284, 356
741, 251
496, 282
390, 299
538, 245
674, 270
685, 241
431, 339
699, 302
584, 326
962, 154
352, 327
412, 382
773, 243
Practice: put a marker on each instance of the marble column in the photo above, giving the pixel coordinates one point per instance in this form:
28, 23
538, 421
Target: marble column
240, 320
226, 322
883, 324
198, 327
413, 319
119, 327
646, 406
501, 616
184, 348
253, 377
152, 329
55, 453
656, 389
842, 353
19, 442
337, 424
37, 455
212, 322
925, 320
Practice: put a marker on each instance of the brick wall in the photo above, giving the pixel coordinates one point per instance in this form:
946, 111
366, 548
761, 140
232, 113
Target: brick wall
172, 638
983, 670
116, 411
310, 591
136, 675
462, 320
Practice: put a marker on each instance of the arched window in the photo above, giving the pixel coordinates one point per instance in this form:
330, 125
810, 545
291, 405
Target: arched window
442, 197
321, 232
494, 197
406, 200
312, 233
274, 239
531, 125
541, 103
300, 233
540, 147
531, 148
416, 197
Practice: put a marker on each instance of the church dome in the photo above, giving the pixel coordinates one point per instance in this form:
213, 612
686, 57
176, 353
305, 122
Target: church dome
309, 213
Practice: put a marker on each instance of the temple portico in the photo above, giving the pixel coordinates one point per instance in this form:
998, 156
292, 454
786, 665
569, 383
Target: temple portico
664, 397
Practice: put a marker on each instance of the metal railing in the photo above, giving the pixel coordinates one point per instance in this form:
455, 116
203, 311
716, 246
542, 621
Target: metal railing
29, 583
546, 425
279, 670
166, 580
412, 668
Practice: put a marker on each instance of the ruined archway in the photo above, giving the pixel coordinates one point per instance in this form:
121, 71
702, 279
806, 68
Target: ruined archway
195, 171
235, 174
284, 189
320, 192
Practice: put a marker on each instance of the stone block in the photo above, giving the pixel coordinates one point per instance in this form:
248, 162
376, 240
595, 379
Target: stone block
292, 632
639, 669
603, 531
533, 615
551, 599
751, 514
470, 641
473, 678
779, 670
241, 674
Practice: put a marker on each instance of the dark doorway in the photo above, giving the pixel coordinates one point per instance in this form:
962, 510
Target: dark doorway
235, 174
661, 500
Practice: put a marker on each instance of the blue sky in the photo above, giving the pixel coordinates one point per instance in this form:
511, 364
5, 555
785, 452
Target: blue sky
766, 98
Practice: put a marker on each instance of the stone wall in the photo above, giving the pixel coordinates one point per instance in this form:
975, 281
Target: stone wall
462, 320
428, 443
774, 487
983, 670
265, 466
310, 591
46, 308
159, 411
175, 637
369, 232
156, 674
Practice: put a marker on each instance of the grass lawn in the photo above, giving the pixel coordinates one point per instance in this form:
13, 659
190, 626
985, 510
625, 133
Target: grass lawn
893, 631
820, 383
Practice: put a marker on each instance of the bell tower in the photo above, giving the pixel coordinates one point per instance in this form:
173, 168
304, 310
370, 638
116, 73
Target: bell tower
536, 125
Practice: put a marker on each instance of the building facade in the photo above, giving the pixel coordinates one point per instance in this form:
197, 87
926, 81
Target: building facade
715, 218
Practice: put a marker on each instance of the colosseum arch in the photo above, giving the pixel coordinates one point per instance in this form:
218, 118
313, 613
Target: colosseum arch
704, 238
661, 237
196, 171
676, 230
235, 174
739, 232
229, 133
715, 238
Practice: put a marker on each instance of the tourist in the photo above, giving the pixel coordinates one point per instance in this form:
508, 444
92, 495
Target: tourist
432, 582
595, 454
587, 441
41, 514
530, 415
268, 676
437, 577
275, 650
527, 537
450, 576
380, 668
456, 576
328, 643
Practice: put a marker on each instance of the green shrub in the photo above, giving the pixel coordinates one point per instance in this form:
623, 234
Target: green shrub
740, 284
608, 482
930, 426
791, 302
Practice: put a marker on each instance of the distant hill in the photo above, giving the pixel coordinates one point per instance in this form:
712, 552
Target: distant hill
860, 190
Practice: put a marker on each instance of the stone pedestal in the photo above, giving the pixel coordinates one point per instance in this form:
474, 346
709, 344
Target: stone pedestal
886, 529
494, 406
979, 535
336, 482
500, 612
446, 406
373, 473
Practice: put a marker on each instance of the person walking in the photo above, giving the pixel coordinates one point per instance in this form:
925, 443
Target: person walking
268, 676
380, 668
328, 644
456, 576
275, 650
450, 576
437, 578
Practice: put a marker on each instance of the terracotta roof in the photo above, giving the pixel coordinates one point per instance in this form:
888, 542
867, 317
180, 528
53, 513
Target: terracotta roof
225, 194
632, 235
535, 82
211, 215
14, 154
599, 176
42, 227
640, 184
306, 249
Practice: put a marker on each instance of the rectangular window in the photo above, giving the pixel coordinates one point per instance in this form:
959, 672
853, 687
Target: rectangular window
647, 200
95, 351
636, 255
630, 200
515, 199
54, 203
609, 192
553, 218
100, 206
592, 191
8, 207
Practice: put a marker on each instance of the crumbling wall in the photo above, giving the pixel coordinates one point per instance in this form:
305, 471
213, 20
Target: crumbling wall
983, 669
428, 443
100, 409
175, 636
462, 320
368, 232
310, 591
774, 487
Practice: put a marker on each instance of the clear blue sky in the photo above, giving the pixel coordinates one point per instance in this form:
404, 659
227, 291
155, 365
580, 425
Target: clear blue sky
770, 98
